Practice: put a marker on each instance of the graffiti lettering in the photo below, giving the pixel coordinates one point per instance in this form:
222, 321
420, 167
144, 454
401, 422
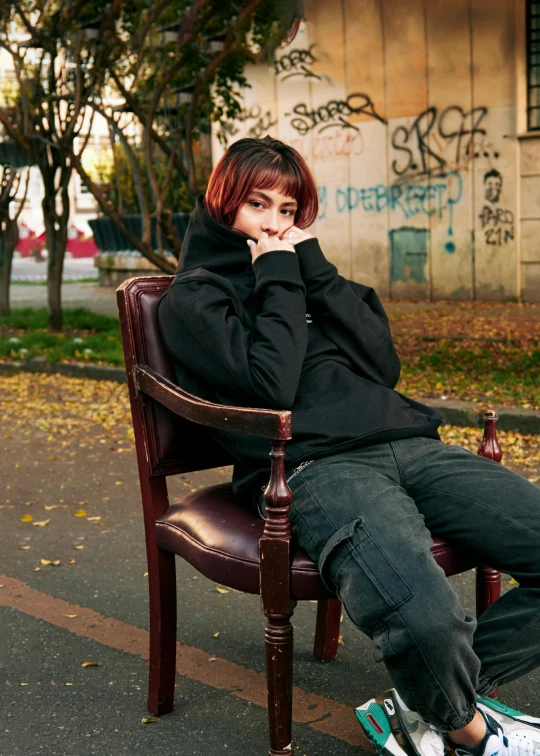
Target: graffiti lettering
495, 216
499, 236
419, 146
333, 113
410, 200
295, 63
263, 123
327, 147
497, 223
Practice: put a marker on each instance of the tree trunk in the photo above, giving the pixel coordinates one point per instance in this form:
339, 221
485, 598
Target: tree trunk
56, 239
9, 237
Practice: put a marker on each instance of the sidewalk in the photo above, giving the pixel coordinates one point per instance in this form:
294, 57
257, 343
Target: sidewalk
103, 299
66, 446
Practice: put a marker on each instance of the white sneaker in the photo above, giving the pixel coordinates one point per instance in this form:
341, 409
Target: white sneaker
509, 738
394, 729
504, 714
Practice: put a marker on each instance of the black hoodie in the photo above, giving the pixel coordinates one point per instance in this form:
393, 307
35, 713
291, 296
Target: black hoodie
286, 332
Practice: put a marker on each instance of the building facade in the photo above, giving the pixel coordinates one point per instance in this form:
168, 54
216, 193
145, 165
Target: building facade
418, 119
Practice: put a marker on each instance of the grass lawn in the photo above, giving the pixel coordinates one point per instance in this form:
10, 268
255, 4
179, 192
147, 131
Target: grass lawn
487, 353
87, 337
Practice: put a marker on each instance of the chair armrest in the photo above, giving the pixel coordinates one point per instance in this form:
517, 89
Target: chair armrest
270, 424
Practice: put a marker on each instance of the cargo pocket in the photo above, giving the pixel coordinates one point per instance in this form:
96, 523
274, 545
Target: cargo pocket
354, 566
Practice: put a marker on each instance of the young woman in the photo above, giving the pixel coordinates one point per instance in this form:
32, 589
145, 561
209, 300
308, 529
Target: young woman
257, 316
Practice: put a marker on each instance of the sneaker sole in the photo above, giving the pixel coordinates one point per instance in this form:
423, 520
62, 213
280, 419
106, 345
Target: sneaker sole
491, 705
375, 724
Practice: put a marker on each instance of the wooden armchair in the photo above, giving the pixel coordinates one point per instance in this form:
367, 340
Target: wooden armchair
221, 539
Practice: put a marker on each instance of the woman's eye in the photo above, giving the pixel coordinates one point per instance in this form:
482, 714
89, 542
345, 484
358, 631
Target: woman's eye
289, 212
256, 204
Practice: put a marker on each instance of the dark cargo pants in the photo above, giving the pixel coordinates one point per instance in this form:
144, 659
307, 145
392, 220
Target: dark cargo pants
367, 518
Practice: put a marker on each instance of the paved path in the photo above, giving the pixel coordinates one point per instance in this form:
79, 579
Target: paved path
50, 704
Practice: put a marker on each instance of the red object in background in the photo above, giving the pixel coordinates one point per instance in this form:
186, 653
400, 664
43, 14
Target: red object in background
28, 241
77, 245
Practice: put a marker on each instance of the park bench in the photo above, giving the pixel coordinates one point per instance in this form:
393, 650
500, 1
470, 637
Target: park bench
223, 540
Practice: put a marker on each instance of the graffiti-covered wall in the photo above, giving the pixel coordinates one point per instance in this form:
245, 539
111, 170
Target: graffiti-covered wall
406, 114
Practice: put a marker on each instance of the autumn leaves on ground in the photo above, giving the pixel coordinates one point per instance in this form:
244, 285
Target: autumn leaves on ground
486, 353
481, 352
92, 412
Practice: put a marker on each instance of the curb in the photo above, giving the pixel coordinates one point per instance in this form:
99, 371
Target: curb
453, 412
71, 369
457, 412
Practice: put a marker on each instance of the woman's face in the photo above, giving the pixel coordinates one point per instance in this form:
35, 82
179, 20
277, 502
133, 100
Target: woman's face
266, 210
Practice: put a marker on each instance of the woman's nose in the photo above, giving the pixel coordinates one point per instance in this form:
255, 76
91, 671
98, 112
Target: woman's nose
270, 225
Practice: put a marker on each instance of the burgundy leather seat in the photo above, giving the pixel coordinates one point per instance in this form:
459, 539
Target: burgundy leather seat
220, 538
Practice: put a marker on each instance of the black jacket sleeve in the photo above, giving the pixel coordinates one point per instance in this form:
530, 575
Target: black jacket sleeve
205, 328
350, 314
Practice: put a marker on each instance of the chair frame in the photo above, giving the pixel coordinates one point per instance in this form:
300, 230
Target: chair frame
146, 387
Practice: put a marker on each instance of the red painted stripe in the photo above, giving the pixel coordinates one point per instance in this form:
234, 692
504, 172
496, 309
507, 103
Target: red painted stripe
374, 722
322, 714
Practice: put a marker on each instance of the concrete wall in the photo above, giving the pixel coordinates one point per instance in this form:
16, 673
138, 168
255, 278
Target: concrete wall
403, 110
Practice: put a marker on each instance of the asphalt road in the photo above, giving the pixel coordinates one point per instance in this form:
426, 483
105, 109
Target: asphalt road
50, 704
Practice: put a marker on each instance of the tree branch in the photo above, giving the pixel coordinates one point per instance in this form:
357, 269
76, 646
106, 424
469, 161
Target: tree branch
145, 249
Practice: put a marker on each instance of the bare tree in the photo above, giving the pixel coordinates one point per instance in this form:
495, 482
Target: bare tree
177, 67
57, 70
10, 184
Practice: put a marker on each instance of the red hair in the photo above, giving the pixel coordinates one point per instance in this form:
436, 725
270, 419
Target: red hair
267, 163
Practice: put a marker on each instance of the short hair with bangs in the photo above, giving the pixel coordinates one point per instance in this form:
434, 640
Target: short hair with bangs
266, 163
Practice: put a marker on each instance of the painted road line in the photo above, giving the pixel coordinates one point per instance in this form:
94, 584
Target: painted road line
322, 714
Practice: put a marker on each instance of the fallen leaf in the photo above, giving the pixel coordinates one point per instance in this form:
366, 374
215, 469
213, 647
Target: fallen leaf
26, 518
340, 640
24, 683
90, 664
28, 503
41, 523
71, 615
535, 479
79, 546
50, 506
91, 519
54, 562
146, 720
69, 683
25, 548
145, 574
215, 635
80, 513
513, 582
219, 589
72, 561
37, 569
52, 456
118, 483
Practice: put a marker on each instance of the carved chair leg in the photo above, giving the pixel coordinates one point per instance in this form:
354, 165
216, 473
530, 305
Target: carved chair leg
162, 587
488, 590
325, 648
279, 669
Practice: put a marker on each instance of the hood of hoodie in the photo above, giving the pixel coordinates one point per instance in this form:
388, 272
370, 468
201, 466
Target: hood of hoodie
210, 245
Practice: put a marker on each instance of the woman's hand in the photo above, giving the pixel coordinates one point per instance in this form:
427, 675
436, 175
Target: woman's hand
268, 244
296, 235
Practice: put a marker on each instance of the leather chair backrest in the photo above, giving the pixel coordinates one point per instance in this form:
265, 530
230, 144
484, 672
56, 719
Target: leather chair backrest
173, 445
